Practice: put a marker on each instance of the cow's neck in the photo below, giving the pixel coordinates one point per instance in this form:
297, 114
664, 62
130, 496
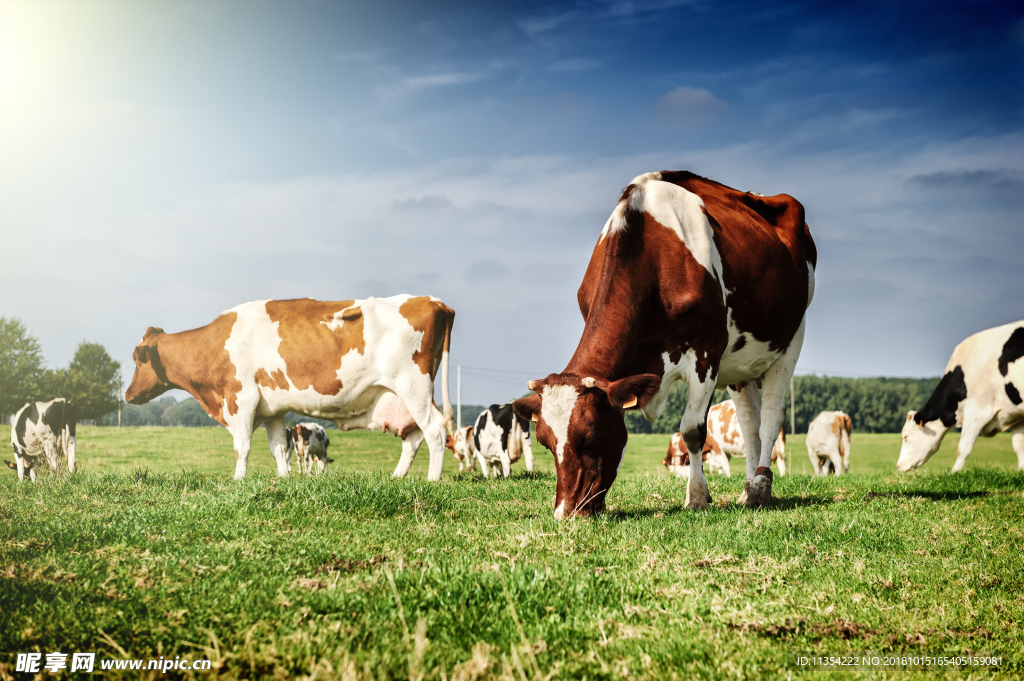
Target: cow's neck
616, 340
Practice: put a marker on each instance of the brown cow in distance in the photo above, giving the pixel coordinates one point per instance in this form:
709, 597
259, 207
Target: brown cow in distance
690, 280
359, 363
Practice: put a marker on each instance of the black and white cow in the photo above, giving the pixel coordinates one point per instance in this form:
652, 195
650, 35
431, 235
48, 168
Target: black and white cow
501, 437
43, 436
310, 442
980, 392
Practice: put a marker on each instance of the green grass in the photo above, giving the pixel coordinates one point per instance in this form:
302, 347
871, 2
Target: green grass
153, 549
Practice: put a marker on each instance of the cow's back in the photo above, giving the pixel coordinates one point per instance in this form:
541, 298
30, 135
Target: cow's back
767, 256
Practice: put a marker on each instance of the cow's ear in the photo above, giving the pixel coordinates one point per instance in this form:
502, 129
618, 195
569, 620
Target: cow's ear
330, 460
10, 465
152, 331
632, 391
528, 407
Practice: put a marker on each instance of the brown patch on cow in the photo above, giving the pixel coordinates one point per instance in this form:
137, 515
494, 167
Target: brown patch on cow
307, 340
198, 362
275, 381
434, 320
727, 414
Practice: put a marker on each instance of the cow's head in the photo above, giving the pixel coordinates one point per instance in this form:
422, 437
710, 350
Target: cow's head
580, 419
920, 441
150, 379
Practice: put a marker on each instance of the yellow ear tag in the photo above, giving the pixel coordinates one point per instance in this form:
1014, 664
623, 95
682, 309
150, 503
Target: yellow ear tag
631, 403
533, 417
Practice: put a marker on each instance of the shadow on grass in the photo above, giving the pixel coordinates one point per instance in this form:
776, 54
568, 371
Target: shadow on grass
778, 504
937, 496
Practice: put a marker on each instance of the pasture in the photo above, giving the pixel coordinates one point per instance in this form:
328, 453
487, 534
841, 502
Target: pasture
153, 550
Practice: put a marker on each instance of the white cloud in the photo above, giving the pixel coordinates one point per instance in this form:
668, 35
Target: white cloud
689, 105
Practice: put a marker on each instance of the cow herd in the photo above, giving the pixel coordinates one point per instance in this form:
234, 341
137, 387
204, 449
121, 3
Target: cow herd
690, 280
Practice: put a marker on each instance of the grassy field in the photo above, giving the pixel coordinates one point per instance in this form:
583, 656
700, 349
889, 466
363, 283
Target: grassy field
152, 550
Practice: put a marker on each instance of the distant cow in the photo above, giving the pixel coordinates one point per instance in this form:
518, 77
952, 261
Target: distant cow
501, 437
690, 280
462, 447
359, 363
43, 436
723, 442
828, 443
310, 442
980, 392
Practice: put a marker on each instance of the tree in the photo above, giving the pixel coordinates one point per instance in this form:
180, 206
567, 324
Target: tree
21, 365
90, 382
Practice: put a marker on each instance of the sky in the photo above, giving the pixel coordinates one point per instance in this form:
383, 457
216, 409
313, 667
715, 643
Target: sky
163, 161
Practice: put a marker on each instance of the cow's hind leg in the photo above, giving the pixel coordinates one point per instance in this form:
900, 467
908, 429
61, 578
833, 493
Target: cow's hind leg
279, 445
773, 412
1018, 446
410, 445
748, 410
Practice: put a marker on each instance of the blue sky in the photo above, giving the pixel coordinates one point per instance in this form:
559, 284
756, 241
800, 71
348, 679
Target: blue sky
163, 161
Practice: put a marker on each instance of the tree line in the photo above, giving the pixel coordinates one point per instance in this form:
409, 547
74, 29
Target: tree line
90, 380
876, 405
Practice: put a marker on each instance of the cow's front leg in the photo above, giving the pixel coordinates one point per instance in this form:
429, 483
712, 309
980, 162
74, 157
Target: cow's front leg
694, 429
506, 463
528, 455
243, 441
71, 453
974, 423
410, 445
278, 441
20, 461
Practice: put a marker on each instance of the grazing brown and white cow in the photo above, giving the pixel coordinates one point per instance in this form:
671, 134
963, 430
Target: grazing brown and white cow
462, 447
723, 442
310, 442
43, 437
690, 280
980, 391
359, 363
828, 443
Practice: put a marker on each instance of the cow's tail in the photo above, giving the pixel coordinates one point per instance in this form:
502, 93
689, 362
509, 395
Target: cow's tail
449, 416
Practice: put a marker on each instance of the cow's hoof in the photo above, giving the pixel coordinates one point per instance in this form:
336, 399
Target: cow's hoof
758, 491
698, 504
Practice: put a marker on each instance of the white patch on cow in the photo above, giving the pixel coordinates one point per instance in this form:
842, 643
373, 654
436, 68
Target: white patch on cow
747, 363
380, 386
556, 410
617, 220
810, 283
560, 510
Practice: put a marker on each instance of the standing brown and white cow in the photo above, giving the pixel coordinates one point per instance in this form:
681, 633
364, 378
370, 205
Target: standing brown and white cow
724, 441
828, 443
360, 363
690, 280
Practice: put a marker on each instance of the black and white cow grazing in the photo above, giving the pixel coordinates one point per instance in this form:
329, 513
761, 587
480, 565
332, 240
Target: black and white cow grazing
980, 392
43, 436
501, 437
309, 440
